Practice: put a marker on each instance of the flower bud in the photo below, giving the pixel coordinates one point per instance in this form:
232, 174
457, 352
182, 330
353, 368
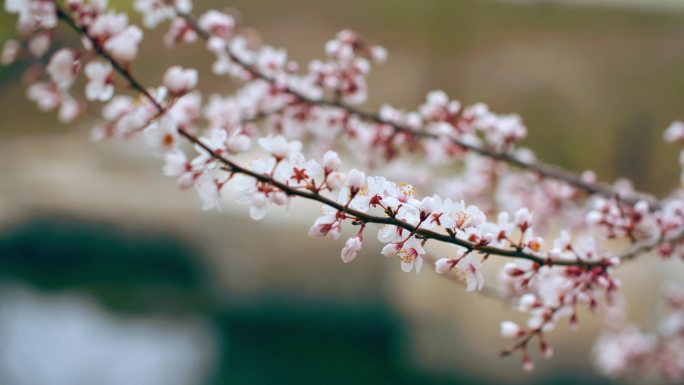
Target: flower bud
331, 161
356, 179
510, 329
335, 180
546, 350
527, 302
428, 205
238, 143
523, 218
180, 81
443, 265
641, 207
487, 239
378, 53
279, 198
351, 248
527, 363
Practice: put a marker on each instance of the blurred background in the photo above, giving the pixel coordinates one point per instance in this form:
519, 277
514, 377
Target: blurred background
110, 275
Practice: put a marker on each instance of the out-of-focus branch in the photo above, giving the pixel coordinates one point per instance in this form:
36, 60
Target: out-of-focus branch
541, 169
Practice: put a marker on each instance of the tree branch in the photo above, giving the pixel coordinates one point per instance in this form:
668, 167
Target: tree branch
315, 196
542, 169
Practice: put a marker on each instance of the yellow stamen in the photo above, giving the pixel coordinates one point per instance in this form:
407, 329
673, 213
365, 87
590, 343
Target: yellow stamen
407, 189
405, 255
461, 218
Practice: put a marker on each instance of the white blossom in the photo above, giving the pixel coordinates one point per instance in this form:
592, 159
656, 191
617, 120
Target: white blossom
351, 248
510, 329
278, 146
63, 68
10, 52
99, 86
124, 45
180, 81
208, 191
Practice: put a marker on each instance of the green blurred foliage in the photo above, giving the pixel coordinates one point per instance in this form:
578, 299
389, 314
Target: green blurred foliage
126, 271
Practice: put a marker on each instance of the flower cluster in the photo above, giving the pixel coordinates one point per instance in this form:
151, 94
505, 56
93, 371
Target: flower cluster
625, 350
344, 74
619, 220
550, 294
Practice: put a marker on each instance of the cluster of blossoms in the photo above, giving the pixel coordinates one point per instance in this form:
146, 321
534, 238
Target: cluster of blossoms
298, 118
549, 294
623, 349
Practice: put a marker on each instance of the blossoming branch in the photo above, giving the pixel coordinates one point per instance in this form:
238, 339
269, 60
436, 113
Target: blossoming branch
301, 120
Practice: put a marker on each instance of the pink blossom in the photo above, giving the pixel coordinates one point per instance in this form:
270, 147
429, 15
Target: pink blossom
39, 44
99, 86
331, 161
470, 265
351, 248
279, 147
327, 225
108, 24
63, 68
10, 52
46, 95
180, 81
124, 45
511, 330
179, 32
216, 23
356, 179
675, 132
176, 164
444, 265
208, 191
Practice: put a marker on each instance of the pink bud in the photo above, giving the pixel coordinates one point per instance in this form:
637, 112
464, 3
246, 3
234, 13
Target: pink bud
675, 132
546, 349
527, 363
487, 239
335, 180
378, 54
443, 265
527, 302
356, 179
523, 218
10, 51
331, 161
428, 205
351, 247
390, 250
279, 198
